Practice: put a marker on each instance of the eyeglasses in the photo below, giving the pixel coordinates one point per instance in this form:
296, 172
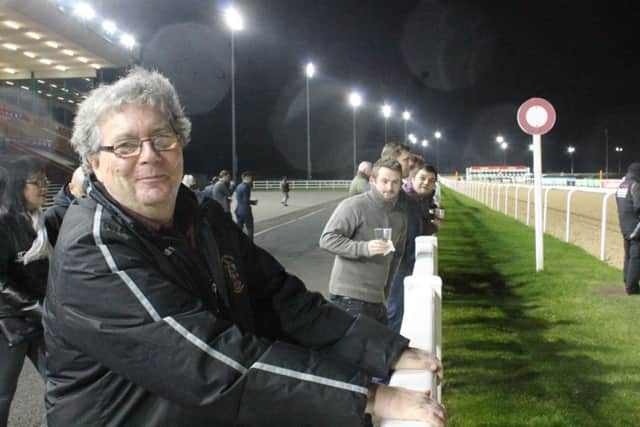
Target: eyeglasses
40, 182
131, 147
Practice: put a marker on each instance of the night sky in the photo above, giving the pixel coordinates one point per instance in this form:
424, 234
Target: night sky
462, 67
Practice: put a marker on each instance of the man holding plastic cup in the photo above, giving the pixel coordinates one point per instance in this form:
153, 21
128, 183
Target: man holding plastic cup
365, 263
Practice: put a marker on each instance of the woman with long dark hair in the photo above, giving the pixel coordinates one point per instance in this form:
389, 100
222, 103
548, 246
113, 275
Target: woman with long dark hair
24, 264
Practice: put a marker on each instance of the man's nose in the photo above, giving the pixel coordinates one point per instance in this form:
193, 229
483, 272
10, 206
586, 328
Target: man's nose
147, 151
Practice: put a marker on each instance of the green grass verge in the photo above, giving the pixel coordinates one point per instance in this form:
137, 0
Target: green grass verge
555, 348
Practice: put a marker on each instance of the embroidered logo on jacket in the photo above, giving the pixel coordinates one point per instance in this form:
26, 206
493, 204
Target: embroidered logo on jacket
232, 271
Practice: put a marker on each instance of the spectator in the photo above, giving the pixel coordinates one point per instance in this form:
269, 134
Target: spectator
284, 189
24, 261
421, 221
161, 312
399, 152
69, 192
628, 201
244, 214
362, 269
360, 183
221, 191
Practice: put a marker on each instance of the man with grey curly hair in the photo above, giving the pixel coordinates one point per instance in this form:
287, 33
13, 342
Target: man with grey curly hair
161, 312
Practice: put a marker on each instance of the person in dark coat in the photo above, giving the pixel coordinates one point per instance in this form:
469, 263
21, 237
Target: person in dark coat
69, 192
284, 189
628, 201
161, 312
24, 261
421, 221
243, 211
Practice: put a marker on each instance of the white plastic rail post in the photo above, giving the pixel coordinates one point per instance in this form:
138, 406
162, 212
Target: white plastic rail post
506, 199
546, 209
498, 198
529, 204
568, 225
603, 229
421, 323
515, 203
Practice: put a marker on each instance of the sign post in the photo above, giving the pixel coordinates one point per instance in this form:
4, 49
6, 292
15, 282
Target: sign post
536, 116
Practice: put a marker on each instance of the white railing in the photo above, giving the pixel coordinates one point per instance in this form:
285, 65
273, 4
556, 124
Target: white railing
303, 185
486, 194
421, 322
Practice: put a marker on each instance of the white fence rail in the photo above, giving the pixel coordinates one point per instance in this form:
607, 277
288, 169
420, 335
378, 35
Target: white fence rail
304, 185
599, 201
422, 322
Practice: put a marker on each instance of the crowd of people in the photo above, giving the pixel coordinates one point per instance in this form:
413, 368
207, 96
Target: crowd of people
156, 309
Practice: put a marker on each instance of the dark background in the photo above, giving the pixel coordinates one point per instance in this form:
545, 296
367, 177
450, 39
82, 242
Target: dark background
462, 67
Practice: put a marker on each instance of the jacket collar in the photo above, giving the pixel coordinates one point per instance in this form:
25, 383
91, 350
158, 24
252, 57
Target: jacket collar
379, 199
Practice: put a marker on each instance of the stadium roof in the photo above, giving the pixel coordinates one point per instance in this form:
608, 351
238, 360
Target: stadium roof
45, 38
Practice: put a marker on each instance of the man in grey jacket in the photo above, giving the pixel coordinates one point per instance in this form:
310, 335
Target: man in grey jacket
363, 268
221, 191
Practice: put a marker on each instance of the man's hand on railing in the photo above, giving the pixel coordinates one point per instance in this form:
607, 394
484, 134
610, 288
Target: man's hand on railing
414, 358
403, 404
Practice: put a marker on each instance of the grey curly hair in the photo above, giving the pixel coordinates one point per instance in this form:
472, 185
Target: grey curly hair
138, 87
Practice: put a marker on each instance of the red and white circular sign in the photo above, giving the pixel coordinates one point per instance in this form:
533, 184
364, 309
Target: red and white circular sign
536, 116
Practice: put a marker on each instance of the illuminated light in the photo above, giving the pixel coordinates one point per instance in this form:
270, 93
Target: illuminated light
504, 145
61, 67
355, 99
46, 61
572, 150
84, 11
386, 111
406, 115
438, 134
82, 59
40, 92
96, 66
10, 46
13, 24
41, 81
24, 87
9, 70
29, 54
233, 19
127, 41
425, 143
52, 85
60, 98
33, 35
499, 139
64, 89
70, 101
9, 83
310, 70
109, 27
68, 52
49, 95
52, 44
537, 116
412, 138
87, 79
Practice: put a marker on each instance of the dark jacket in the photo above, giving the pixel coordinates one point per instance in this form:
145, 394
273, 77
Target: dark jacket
284, 187
243, 200
54, 215
22, 287
628, 201
144, 330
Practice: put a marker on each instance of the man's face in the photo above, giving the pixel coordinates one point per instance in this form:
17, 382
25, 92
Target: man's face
247, 179
404, 159
387, 182
147, 183
424, 182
